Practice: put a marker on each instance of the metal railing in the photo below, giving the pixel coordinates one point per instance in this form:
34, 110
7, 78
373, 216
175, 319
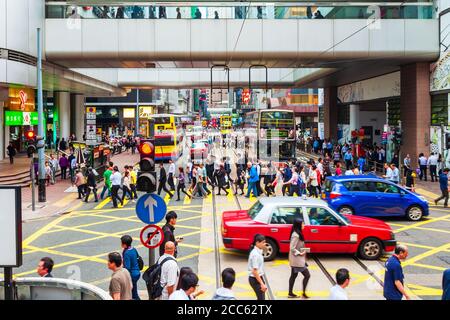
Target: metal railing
54, 289
242, 10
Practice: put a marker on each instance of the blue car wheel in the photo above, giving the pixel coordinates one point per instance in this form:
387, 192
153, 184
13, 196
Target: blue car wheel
346, 210
414, 213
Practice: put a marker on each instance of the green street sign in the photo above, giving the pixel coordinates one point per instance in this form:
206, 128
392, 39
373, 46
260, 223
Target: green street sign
19, 118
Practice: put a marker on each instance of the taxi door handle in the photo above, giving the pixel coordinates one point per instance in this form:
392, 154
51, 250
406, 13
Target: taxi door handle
273, 230
314, 230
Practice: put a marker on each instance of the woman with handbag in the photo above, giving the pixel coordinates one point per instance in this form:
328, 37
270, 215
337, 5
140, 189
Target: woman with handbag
297, 258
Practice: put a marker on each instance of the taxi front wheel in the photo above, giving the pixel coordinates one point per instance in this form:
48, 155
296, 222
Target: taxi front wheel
370, 249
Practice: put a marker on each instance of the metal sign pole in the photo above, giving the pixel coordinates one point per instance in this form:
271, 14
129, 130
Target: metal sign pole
33, 177
41, 155
9, 294
151, 257
136, 127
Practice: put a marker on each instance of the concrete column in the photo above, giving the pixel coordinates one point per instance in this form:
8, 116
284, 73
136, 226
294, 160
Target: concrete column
330, 112
78, 111
62, 102
415, 108
354, 118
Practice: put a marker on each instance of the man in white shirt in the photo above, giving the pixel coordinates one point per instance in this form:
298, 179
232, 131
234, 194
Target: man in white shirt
189, 283
116, 180
395, 174
171, 173
337, 292
423, 161
389, 172
432, 163
169, 271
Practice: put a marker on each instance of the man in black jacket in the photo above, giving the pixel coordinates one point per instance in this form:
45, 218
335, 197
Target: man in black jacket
168, 229
91, 185
163, 180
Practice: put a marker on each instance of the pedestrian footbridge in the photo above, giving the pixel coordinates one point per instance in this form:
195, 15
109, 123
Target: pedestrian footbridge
240, 35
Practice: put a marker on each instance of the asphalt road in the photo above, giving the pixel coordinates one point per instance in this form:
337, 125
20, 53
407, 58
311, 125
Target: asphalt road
80, 241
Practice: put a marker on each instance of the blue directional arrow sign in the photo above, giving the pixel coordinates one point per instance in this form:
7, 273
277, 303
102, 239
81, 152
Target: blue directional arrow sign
151, 208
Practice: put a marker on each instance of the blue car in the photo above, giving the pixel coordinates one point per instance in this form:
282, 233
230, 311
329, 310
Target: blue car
368, 195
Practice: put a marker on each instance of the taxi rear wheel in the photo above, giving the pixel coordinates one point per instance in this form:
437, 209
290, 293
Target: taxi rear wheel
370, 249
271, 250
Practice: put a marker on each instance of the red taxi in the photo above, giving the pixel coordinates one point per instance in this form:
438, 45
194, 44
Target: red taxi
325, 230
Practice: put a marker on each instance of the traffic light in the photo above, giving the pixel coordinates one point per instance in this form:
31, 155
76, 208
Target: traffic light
397, 139
146, 180
34, 142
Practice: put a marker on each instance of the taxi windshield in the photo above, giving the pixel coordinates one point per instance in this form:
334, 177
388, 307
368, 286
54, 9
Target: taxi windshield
254, 210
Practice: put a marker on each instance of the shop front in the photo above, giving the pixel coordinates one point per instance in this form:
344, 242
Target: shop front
20, 115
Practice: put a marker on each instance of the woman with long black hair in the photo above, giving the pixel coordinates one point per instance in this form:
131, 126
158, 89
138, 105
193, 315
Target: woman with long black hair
297, 258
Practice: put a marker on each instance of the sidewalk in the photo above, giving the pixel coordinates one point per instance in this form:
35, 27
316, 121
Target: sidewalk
62, 197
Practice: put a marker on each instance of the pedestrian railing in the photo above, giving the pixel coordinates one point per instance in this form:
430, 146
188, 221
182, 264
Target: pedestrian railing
54, 289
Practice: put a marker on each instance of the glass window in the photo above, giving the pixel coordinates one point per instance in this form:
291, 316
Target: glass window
285, 215
321, 217
328, 186
255, 209
386, 188
366, 186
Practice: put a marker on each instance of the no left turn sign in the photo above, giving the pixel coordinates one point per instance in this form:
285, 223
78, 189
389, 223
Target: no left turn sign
152, 236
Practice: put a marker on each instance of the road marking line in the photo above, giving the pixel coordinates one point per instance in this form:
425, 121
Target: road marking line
42, 231
103, 203
188, 210
424, 291
167, 198
70, 255
85, 231
426, 254
417, 245
421, 223
427, 266
187, 200
432, 229
426, 193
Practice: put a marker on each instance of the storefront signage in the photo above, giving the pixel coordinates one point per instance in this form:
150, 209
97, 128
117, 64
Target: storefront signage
91, 128
20, 99
19, 118
129, 113
145, 112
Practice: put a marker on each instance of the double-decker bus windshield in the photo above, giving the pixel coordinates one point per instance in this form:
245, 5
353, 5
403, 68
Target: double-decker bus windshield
277, 125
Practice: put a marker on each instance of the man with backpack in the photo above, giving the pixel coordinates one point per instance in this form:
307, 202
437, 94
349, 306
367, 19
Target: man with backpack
169, 271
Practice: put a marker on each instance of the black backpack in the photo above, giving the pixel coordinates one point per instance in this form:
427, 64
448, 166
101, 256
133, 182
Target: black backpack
140, 262
152, 278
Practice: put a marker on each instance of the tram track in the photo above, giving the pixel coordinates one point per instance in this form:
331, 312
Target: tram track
216, 242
